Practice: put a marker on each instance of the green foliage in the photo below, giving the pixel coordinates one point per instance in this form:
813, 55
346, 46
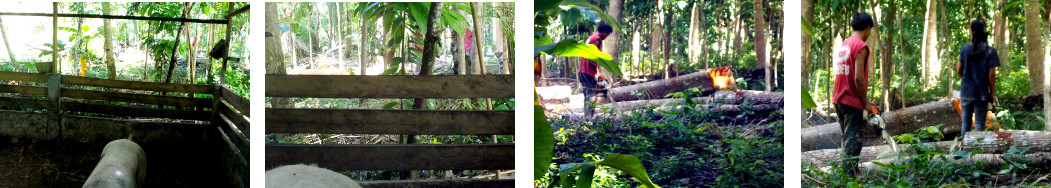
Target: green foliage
572, 48
575, 9
543, 142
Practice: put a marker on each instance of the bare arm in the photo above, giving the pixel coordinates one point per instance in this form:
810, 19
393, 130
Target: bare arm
860, 83
992, 83
959, 68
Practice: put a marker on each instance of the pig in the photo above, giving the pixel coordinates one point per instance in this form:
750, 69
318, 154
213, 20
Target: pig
307, 176
123, 165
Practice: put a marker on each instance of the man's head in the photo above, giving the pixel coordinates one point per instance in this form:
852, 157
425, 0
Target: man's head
604, 30
862, 24
978, 33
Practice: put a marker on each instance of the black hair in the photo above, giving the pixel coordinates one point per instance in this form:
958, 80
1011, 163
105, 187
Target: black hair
861, 21
979, 37
603, 27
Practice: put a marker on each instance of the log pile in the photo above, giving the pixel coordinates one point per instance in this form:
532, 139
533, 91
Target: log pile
906, 120
989, 142
706, 80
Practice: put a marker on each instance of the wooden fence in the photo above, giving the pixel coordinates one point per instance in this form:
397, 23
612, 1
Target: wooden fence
345, 157
62, 96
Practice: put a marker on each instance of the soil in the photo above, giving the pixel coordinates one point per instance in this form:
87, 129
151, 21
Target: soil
29, 163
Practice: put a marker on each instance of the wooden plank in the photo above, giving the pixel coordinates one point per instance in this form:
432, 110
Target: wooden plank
136, 111
416, 86
23, 102
236, 119
28, 90
394, 157
237, 139
151, 86
137, 98
22, 76
239, 103
425, 122
464, 183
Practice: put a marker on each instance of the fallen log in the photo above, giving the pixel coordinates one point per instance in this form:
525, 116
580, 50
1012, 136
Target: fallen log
1041, 161
906, 120
703, 79
719, 97
991, 142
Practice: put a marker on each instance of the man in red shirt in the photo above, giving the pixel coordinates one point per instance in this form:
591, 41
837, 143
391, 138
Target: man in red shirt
851, 86
589, 69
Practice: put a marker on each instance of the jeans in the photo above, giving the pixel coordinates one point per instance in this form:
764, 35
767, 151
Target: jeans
850, 120
973, 108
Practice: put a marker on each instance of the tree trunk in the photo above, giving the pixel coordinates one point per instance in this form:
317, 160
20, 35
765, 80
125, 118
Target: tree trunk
760, 41
275, 57
499, 41
479, 68
1034, 47
361, 44
999, 35
461, 53
719, 97
986, 141
930, 60
693, 41
902, 121
885, 56
111, 68
659, 88
10, 52
612, 44
808, 16
175, 49
668, 17
1041, 161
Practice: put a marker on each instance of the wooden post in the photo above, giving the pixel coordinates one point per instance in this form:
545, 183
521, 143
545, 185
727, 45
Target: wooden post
229, 21
54, 102
54, 39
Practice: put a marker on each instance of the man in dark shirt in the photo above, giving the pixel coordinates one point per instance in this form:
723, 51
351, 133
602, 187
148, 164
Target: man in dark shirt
977, 69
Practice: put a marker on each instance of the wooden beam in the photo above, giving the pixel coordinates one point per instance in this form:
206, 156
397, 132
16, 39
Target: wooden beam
239, 140
239, 103
236, 119
136, 85
136, 111
237, 12
464, 183
120, 17
21, 76
28, 90
415, 86
23, 102
394, 156
424, 122
137, 98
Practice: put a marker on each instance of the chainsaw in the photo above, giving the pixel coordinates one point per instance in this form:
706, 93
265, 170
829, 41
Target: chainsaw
877, 122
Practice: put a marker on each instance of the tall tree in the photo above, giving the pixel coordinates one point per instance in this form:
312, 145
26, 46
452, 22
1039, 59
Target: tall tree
885, 68
930, 60
362, 43
808, 17
111, 69
999, 34
612, 46
760, 40
1034, 47
275, 57
10, 52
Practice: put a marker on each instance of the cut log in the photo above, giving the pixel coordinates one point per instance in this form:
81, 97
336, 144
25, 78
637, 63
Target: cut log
906, 120
720, 97
659, 88
987, 141
1041, 161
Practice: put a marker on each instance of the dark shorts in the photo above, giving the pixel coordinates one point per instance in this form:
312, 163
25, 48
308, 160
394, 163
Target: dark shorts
588, 85
850, 121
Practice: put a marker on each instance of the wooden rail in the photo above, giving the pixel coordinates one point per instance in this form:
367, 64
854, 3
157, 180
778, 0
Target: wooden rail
336, 121
341, 86
461, 183
394, 157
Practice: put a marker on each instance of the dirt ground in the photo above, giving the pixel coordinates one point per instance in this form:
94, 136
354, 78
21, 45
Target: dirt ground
25, 163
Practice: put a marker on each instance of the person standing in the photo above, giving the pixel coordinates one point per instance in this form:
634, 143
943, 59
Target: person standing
588, 70
850, 88
977, 70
